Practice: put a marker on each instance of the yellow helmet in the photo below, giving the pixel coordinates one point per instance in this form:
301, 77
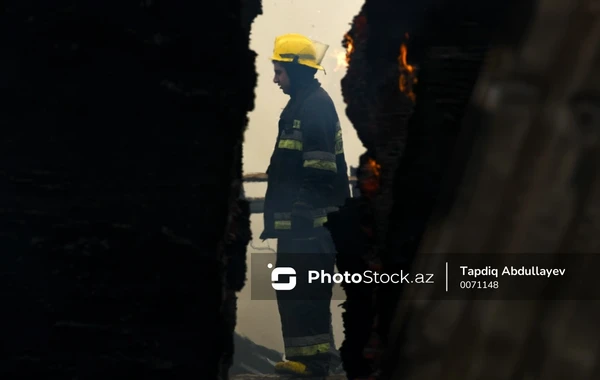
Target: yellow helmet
290, 47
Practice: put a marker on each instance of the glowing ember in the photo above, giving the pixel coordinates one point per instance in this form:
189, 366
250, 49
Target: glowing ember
374, 167
407, 74
343, 57
370, 184
349, 47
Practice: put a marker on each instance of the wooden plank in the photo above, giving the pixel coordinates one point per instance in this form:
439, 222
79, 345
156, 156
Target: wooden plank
275, 377
256, 205
255, 177
262, 177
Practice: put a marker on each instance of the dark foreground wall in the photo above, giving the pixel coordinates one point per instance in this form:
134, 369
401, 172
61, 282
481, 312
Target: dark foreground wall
411, 73
527, 171
493, 154
120, 123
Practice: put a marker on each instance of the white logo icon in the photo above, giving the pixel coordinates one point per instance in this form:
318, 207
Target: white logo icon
291, 284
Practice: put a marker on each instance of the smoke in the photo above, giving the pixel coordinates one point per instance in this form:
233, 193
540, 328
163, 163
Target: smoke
324, 21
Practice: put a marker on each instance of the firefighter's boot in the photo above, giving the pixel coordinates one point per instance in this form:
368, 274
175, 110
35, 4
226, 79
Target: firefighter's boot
297, 370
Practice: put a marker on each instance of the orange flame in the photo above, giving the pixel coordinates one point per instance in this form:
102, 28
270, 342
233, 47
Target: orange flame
370, 184
407, 74
343, 57
374, 167
349, 47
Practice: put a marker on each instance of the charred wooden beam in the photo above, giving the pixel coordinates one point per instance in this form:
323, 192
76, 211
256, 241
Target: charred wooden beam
257, 203
263, 177
283, 377
256, 177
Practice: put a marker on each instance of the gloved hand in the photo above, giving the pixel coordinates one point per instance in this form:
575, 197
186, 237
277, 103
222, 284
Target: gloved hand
302, 219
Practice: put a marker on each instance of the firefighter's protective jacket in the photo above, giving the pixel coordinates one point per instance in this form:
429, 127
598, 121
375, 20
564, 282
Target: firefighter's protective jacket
307, 175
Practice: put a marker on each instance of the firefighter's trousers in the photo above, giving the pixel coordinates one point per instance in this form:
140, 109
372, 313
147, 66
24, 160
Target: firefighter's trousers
305, 311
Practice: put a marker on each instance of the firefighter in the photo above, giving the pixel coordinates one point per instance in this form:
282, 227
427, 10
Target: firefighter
307, 179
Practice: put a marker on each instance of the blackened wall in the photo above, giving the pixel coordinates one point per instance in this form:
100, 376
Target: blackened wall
119, 124
409, 140
524, 151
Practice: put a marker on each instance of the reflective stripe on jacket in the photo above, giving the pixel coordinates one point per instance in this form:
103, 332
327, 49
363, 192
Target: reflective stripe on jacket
308, 165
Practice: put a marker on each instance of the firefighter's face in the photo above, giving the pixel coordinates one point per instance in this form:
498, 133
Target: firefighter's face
281, 78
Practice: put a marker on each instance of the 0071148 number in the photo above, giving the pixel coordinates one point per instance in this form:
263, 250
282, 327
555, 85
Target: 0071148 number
479, 284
